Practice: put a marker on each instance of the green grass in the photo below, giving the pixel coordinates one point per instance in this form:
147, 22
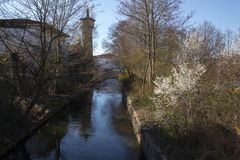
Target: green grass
144, 101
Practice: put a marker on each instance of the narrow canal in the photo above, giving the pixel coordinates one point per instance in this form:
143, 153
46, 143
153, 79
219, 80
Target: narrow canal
96, 127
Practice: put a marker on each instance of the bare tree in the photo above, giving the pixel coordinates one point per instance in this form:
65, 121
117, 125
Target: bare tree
201, 44
123, 46
148, 20
37, 47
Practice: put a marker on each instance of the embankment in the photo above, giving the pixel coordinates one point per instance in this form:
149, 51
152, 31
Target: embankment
150, 149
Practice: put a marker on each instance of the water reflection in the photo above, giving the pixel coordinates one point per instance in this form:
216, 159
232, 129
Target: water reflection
95, 127
79, 115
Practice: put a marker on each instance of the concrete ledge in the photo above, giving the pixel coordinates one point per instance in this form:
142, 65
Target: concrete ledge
135, 120
150, 150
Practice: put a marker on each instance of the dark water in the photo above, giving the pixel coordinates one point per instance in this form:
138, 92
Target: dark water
96, 127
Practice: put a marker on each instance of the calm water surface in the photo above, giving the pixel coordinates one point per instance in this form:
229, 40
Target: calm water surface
94, 128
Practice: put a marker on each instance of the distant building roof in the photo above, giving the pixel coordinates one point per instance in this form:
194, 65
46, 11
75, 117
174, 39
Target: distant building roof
17, 23
24, 23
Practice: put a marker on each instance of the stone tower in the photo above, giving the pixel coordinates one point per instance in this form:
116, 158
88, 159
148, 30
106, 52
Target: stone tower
87, 26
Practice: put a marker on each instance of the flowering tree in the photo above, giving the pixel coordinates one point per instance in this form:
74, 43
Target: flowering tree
180, 84
191, 46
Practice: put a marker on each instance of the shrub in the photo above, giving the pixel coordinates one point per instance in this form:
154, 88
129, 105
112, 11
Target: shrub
181, 84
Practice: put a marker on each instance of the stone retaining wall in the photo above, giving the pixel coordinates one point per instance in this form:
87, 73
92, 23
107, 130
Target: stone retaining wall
150, 150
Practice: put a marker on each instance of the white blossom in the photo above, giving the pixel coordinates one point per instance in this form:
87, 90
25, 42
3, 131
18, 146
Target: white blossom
191, 46
168, 89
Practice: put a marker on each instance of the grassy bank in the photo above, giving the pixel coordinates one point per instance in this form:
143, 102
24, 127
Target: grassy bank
210, 132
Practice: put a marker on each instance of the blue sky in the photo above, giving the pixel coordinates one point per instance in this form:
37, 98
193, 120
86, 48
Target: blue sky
224, 14
106, 16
